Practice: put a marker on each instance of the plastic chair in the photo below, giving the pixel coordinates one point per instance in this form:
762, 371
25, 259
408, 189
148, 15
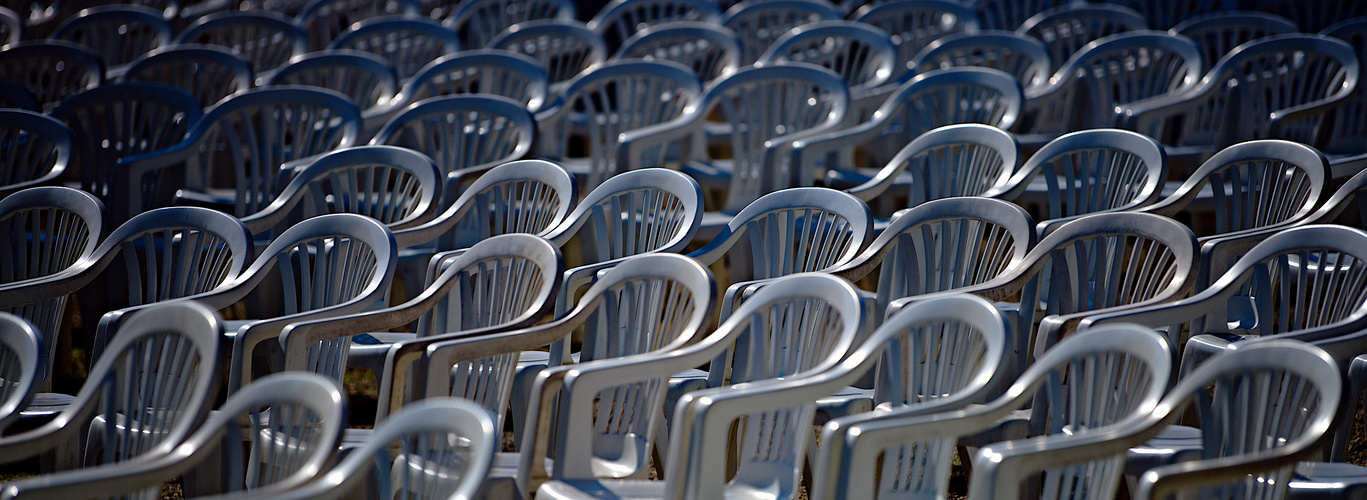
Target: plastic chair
1252, 187
711, 51
1098, 381
434, 449
941, 245
759, 24
915, 23
802, 326
1219, 33
1163, 14
264, 39
1131, 260
862, 55
767, 108
34, 150
479, 71
504, 283
18, 366
646, 307
408, 43
11, 27
1254, 87
209, 73
931, 100
1311, 19
1066, 29
125, 120
326, 20
1088, 172
292, 422
604, 102
263, 129
52, 70
15, 96
398, 187
620, 19
118, 34
365, 78
157, 381
1018, 55
479, 21
1348, 130
565, 48
465, 135
1011, 14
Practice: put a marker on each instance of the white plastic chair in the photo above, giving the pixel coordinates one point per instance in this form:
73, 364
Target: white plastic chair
862, 55
1018, 55
479, 21
1218, 33
1067, 28
758, 24
711, 51
566, 48
407, 42
915, 23
18, 366
465, 135
478, 71
620, 19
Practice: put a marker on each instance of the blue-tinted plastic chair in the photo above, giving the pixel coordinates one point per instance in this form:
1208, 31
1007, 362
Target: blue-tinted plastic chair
261, 129
367, 79
1011, 14
564, 48
325, 20
408, 43
207, 72
607, 101
1018, 55
11, 27
951, 161
465, 135
264, 39
1349, 129
915, 23
759, 24
479, 21
18, 366
862, 55
124, 120
52, 70
479, 71
1310, 18
118, 34
711, 51
620, 19
1066, 29
1219, 33
34, 150
1164, 14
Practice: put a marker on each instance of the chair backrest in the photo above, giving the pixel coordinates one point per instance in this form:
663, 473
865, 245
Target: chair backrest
207, 72
16, 96
439, 448
52, 70
18, 366
636, 212
1097, 170
792, 231
710, 50
1218, 33
1018, 55
463, 133
408, 43
1254, 184
968, 159
365, 78
34, 150
1277, 396
602, 103
247, 138
1011, 14
1310, 19
1115, 71
1243, 96
915, 23
524, 196
122, 120
117, 33
620, 19
264, 39
943, 244
11, 27
565, 48
1349, 130
325, 20
1067, 28
769, 102
479, 21
759, 24
398, 187
862, 55
482, 71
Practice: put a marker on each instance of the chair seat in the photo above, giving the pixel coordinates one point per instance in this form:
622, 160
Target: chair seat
46, 405
600, 490
847, 401
1328, 480
1174, 444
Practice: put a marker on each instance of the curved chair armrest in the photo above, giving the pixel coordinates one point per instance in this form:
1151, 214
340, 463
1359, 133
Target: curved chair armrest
393, 382
1218, 252
60, 284
1166, 480
995, 290
1171, 313
1044, 227
633, 144
298, 337
163, 463
817, 147
1279, 120
1139, 116
449, 352
256, 332
1052, 329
